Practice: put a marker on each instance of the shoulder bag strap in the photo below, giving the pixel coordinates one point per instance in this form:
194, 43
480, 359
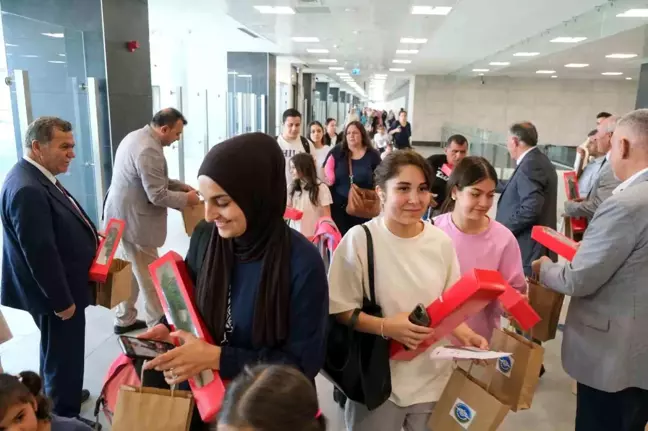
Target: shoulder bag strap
370, 265
350, 171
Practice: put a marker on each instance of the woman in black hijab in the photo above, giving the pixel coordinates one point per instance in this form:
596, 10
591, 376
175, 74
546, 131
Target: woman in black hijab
261, 287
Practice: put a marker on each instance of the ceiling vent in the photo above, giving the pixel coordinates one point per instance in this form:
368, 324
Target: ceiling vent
248, 32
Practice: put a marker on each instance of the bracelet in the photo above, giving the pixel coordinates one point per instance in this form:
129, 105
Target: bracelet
382, 329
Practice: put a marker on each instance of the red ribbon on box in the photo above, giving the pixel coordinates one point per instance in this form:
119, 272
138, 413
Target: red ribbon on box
579, 224
554, 241
175, 290
519, 308
293, 214
464, 299
106, 250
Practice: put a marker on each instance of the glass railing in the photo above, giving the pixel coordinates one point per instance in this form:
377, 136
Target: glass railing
492, 146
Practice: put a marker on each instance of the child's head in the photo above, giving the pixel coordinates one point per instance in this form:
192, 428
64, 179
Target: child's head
22, 404
471, 188
271, 398
302, 167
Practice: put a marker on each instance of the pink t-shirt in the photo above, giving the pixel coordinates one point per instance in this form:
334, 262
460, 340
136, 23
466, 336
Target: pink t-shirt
497, 249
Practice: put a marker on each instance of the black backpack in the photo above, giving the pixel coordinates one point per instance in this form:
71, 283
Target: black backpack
304, 142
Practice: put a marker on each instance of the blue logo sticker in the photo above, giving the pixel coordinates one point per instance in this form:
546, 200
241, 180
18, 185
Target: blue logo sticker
505, 364
462, 413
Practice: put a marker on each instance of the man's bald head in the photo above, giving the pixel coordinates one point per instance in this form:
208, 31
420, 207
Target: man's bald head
630, 144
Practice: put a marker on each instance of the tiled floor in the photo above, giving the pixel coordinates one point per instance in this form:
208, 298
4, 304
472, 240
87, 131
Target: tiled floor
553, 407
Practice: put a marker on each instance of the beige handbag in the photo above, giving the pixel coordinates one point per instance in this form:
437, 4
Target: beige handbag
362, 203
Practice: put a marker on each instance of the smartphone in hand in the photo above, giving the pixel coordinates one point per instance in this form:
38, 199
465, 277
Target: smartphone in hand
136, 348
419, 316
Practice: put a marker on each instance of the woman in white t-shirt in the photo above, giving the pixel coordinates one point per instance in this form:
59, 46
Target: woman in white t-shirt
319, 149
307, 194
415, 262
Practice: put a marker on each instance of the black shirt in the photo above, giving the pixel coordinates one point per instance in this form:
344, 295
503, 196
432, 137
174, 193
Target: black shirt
402, 139
440, 179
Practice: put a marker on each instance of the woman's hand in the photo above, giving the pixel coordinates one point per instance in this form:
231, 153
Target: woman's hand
470, 338
399, 328
186, 361
158, 332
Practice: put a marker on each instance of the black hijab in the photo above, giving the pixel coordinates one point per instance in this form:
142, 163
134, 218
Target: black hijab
251, 169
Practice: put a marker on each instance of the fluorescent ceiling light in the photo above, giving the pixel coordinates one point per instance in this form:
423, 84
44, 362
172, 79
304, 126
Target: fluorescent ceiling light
61, 55
29, 56
318, 50
526, 54
628, 78
54, 35
327, 60
407, 51
499, 63
567, 39
621, 56
634, 13
546, 72
554, 76
413, 40
401, 61
577, 65
245, 76
396, 69
342, 74
276, 10
336, 68
481, 74
431, 10
305, 39
481, 70
56, 62
233, 72
10, 44
612, 73
380, 76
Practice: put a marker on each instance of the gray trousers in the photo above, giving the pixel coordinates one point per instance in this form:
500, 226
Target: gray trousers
388, 417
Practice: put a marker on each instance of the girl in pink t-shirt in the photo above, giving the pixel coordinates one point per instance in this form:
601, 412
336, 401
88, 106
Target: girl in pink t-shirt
479, 241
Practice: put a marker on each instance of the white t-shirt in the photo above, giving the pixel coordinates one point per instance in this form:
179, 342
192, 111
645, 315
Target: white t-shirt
381, 141
319, 154
301, 201
290, 148
408, 271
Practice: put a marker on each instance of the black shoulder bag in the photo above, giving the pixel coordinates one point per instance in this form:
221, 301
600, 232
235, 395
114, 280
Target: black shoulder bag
357, 363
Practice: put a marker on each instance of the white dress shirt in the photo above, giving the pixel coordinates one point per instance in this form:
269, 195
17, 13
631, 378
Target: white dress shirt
627, 183
519, 160
41, 168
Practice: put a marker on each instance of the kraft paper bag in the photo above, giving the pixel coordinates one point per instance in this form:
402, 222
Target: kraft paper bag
192, 215
513, 379
117, 287
547, 304
152, 409
467, 405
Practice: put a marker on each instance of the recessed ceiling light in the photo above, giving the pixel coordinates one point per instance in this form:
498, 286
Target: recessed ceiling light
481, 74
336, 68
398, 61
327, 60
499, 63
61, 55
612, 73
343, 74
577, 65
431, 10
275, 10
232, 72
481, 70
554, 76
526, 54
318, 50
621, 56
546, 72
54, 35
245, 76
56, 62
407, 51
567, 39
628, 78
413, 40
305, 39
397, 69
634, 13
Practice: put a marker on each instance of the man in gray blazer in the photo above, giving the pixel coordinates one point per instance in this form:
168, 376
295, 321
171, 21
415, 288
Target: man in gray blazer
605, 343
139, 194
529, 197
605, 181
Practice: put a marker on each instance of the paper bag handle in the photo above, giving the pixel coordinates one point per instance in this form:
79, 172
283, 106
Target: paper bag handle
142, 380
469, 372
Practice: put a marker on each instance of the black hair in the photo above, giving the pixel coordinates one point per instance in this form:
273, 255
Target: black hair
603, 114
394, 161
526, 132
305, 166
316, 123
468, 172
328, 120
458, 139
22, 389
291, 112
272, 398
168, 117
366, 142
592, 133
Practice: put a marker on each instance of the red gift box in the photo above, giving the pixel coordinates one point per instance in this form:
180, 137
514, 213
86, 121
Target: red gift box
554, 241
519, 308
175, 290
293, 214
571, 190
464, 299
106, 250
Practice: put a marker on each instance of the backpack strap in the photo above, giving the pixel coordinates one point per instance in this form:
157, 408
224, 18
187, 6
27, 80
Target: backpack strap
370, 264
305, 144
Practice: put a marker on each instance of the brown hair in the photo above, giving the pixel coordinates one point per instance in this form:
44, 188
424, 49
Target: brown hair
272, 398
366, 142
470, 171
305, 166
23, 389
394, 161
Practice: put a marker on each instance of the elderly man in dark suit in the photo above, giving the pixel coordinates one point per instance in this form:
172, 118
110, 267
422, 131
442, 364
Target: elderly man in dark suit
529, 197
49, 245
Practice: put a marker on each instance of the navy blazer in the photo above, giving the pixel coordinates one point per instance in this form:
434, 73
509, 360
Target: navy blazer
529, 198
48, 248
